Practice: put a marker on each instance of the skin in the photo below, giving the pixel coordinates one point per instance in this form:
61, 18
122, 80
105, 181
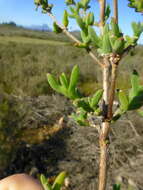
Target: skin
20, 182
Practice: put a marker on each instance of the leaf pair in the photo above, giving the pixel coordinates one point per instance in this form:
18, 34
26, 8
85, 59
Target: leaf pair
66, 87
58, 183
89, 104
85, 106
80, 117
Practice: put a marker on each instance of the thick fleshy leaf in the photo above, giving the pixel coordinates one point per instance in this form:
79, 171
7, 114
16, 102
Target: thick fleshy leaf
64, 80
116, 187
59, 181
96, 98
97, 42
53, 83
74, 78
65, 19
124, 102
45, 183
115, 28
106, 46
107, 12
136, 102
83, 103
135, 85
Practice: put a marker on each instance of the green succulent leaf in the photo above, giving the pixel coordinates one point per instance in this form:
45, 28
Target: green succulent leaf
70, 2
130, 41
137, 28
106, 29
85, 38
96, 98
115, 28
85, 4
56, 28
106, 45
38, 2
74, 78
45, 183
65, 19
97, 42
112, 40
53, 83
107, 12
59, 181
89, 19
73, 92
80, 22
118, 46
135, 85
81, 45
137, 5
64, 80
83, 103
80, 117
72, 9
116, 187
124, 102
136, 102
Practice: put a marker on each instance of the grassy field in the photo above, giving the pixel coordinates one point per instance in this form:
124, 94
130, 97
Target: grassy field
28, 40
26, 56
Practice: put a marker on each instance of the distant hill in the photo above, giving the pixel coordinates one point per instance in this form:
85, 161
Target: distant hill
33, 31
43, 27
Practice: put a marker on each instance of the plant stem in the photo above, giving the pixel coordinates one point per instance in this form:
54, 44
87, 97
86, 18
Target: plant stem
103, 155
102, 13
73, 38
105, 128
115, 5
112, 90
106, 86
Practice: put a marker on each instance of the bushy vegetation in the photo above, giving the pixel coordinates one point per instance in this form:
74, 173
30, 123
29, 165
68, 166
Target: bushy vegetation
24, 62
12, 113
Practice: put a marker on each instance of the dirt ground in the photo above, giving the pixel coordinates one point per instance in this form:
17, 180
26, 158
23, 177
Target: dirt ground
75, 149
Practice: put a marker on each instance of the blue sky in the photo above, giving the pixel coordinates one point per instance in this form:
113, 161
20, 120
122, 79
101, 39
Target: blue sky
23, 13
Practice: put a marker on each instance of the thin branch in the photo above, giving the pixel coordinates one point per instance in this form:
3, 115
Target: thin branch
95, 59
112, 90
102, 4
104, 155
115, 5
103, 142
106, 86
64, 29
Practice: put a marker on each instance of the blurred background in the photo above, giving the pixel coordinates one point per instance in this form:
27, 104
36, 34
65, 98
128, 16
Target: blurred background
31, 139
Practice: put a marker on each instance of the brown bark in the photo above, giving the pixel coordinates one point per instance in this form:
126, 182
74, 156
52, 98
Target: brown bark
112, 90
115, 5
103, 142
103, 155
102, 13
